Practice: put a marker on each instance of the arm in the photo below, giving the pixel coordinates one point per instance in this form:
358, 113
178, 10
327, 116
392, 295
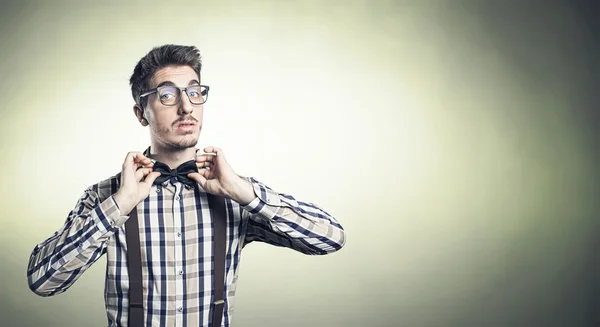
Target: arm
272, 217
279, 219
56, 263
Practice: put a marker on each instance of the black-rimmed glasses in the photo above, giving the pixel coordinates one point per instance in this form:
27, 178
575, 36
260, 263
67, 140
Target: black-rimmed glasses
171, 95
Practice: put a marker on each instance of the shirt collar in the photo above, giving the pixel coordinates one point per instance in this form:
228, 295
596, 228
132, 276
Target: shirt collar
147, 154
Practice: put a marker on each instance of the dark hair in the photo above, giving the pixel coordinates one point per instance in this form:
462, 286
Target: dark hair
158, 58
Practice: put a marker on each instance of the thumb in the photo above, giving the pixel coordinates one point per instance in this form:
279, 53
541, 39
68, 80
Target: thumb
151, 178
197, 177
141, 172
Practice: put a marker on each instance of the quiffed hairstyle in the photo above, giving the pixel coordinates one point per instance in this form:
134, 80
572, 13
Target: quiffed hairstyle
158, 58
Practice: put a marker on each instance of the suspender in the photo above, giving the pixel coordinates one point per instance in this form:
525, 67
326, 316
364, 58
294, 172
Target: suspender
134, 266
217, 208
134, 263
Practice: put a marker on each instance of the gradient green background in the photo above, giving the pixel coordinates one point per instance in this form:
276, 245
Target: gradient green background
453, 140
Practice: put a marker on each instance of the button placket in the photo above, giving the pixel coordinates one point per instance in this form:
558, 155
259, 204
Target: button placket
178, 228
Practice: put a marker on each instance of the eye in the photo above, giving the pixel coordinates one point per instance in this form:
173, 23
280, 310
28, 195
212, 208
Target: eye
168, 93
166, 96
194, 91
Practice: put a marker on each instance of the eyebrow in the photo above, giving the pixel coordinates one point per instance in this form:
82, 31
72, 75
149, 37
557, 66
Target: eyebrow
169, 83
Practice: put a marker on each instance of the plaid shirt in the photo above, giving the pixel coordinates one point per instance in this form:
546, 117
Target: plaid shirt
176, 247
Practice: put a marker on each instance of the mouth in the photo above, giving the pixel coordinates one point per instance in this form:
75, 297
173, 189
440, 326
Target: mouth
185, 126
186, 123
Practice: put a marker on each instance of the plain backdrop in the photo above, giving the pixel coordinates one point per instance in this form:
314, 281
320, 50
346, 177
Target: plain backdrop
453, 140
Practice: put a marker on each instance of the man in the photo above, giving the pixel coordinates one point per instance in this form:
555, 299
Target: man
175, 221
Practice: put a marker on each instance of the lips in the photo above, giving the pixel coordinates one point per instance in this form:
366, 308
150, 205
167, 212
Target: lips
186, 124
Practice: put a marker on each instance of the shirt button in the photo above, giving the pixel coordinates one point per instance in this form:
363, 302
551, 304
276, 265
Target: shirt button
157, 190
178, 234
180, 272
180, 309
177, 198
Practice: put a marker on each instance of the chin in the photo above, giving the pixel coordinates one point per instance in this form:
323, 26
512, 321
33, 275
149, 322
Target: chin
185, 142
189, 142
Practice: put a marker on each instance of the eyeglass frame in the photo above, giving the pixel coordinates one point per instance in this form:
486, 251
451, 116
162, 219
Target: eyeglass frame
181, 90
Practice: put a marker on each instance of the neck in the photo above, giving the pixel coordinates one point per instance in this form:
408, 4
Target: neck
170, 156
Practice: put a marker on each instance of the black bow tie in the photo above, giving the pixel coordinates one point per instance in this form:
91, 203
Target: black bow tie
179, 173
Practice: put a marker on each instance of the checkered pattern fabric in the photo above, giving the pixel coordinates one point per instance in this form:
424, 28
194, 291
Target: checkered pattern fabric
176, 236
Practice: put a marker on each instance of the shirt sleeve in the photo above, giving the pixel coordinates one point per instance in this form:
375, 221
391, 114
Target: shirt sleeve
56, 263
281, 220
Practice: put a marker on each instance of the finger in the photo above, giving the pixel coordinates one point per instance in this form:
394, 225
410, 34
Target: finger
140, 173
138, 165
142, 166
151, 178
206, 173
148, 163
205, 164
215, 150
198, 178
129, 159
205, 157
134, 157
141, 161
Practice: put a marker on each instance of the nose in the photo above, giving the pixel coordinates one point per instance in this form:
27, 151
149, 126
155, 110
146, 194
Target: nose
186, 106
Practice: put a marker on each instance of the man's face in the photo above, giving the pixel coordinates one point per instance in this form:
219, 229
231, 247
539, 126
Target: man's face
177, 126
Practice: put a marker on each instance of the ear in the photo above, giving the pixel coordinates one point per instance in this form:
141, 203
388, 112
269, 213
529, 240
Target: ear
139, 113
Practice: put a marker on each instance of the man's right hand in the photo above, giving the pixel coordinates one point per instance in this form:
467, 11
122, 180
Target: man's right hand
132, 191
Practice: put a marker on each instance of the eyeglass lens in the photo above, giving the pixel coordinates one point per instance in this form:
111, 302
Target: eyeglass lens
169, 95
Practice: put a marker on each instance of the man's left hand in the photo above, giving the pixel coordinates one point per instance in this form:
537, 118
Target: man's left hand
216, 176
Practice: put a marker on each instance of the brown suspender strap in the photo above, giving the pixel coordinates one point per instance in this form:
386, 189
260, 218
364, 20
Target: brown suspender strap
134, 266
134, 263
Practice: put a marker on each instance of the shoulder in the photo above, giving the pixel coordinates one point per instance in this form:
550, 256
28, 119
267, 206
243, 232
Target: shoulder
105, 188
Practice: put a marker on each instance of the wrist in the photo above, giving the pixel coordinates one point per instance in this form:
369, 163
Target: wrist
125, 203
243, 192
